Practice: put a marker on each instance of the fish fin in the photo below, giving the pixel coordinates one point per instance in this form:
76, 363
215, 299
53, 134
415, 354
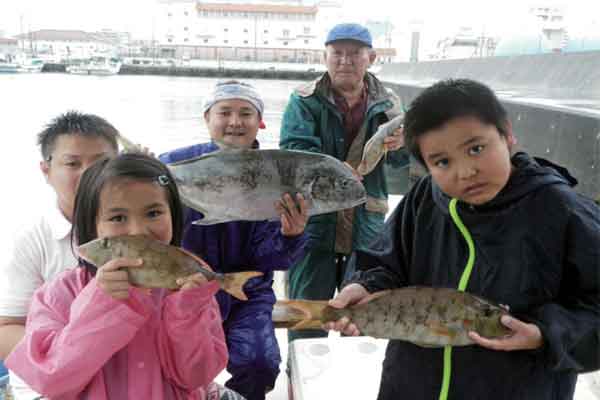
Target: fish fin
233, 283
208, 221
441, 330
307, 314
427, 345
374, 296
196, 258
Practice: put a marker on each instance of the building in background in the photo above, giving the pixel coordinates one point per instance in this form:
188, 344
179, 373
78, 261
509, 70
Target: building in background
66, 45
266, 31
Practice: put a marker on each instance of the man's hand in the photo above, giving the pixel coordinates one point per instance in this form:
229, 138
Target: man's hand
395, 141
294, 215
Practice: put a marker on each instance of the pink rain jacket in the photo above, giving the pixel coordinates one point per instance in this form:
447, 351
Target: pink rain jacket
80, 343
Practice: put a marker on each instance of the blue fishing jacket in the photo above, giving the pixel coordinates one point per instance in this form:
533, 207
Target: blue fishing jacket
537, 250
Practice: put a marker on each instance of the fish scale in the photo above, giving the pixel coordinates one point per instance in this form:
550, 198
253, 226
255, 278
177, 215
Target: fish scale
426, 316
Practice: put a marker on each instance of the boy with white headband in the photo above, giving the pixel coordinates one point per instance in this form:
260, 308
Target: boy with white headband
233, 114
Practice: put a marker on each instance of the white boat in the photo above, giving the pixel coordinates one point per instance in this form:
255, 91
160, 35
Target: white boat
31, 65
101, 66
7, 65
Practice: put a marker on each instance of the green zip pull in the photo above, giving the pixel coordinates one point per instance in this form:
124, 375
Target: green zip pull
462, 285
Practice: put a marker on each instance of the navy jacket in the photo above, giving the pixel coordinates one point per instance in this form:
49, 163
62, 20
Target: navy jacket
537, 250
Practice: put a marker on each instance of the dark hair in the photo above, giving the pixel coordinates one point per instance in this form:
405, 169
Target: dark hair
136, 166
75, 123
449, 99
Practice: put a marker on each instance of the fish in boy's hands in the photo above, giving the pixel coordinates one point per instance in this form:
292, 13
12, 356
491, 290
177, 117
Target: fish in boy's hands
426, 316
163, 265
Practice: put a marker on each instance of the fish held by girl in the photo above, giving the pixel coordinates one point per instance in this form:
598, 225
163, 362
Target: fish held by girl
425, 316
163, 264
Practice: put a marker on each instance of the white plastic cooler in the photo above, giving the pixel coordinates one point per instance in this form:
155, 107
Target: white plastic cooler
336, 367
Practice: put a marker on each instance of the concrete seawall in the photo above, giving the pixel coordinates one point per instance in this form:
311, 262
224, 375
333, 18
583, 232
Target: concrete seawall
553, 102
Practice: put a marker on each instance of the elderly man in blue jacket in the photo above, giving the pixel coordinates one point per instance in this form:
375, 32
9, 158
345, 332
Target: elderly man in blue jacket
233, 114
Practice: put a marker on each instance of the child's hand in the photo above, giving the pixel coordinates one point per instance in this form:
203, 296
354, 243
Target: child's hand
524, 337
351, 294
191, 281
113, 279
294, 215
395, 141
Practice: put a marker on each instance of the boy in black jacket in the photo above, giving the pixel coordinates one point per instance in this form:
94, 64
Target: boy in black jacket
536, 249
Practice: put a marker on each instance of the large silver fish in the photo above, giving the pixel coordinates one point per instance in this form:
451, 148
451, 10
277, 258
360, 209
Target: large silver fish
426, 316
234, 185
163, 264
374, 149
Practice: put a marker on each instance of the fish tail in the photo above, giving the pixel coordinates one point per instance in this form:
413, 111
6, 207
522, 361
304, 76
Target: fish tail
233, 283
300, 314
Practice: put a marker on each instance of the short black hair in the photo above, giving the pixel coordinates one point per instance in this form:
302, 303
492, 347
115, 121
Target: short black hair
449, 99
136, 166
74, 122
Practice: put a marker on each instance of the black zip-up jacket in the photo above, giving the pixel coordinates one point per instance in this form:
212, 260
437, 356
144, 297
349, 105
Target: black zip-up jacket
537, 250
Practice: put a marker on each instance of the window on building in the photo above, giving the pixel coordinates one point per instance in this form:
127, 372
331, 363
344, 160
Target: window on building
245, 30
305, 41
266, 42
205, 40
307, 30
285, 43
185, 28
266, 31
169, 14
170, 40
185, 13
186, 40
226, 30
225, 41
286, 33
245, 42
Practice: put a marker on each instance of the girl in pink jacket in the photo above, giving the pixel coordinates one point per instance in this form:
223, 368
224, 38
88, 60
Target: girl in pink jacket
91, 335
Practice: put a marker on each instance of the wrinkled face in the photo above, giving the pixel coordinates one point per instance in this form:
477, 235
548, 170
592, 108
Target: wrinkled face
468, 159
71, 156
347, 62
335, 193
233, 122
130, 207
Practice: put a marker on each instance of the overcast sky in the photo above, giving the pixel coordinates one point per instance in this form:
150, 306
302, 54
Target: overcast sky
137, 16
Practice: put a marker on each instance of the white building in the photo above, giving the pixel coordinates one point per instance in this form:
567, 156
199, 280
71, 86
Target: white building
65, 45
233, 31
284, 31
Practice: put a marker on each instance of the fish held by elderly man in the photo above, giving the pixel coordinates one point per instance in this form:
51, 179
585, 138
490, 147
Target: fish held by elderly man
425, 316
244, 185
163, 264
375, 149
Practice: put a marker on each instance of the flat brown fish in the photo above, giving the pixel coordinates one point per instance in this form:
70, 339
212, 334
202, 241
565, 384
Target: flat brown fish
163, 264
428, 317
374, 149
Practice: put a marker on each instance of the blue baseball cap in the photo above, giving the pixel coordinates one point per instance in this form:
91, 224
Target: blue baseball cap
347, 31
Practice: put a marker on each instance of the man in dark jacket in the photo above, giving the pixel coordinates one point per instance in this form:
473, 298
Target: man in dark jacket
233, 114
534, 244
336, 115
